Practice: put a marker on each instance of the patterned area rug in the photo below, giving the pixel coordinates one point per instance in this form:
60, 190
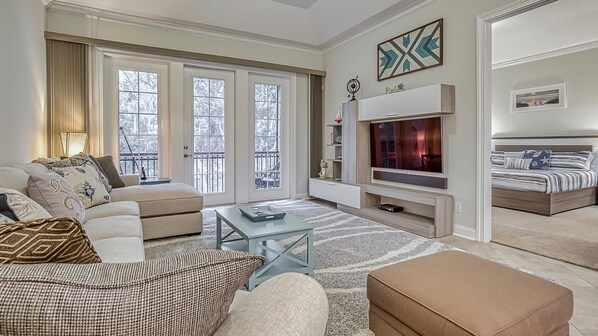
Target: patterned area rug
346, 249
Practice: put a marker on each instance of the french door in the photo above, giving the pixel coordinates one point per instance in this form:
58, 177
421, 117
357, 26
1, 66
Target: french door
209, 126
268, 151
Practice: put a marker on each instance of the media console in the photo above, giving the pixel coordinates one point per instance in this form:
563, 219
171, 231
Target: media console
425, 213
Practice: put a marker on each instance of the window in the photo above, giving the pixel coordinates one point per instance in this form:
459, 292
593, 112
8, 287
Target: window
138, 121
267, 136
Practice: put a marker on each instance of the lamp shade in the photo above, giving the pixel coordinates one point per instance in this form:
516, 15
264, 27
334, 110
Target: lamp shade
73, 143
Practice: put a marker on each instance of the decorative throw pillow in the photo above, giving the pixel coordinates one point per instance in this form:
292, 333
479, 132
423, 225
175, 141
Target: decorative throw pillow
56, 195
523, 164
106, 164
497, 158
571, 160
540, 159
73, 161
86, 183
19, 207
51, 240
5, 220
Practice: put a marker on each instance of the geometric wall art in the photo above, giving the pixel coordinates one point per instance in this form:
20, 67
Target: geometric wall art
415, 50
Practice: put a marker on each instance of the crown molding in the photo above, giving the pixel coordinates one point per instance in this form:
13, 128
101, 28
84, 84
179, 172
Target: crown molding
184, 26
393, 12
549, 54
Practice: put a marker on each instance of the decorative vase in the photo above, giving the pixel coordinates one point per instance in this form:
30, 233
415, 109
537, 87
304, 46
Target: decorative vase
322, 173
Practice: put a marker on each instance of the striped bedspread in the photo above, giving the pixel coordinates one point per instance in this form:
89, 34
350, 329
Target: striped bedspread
545, 181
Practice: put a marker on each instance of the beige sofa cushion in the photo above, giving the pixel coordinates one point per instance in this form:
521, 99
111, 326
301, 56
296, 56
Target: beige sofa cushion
120, 249
161, 199
112, 227
130, 208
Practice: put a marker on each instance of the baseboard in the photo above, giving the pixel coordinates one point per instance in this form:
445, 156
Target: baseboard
464, 232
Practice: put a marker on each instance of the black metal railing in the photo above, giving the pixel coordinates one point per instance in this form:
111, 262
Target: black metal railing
209, 169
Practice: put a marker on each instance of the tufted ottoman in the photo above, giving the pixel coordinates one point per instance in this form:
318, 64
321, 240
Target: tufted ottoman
455, 293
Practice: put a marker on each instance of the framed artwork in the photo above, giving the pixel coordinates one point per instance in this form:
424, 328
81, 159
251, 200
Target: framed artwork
412, 51
549, 97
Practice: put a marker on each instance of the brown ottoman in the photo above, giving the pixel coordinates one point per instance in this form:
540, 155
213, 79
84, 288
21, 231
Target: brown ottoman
455, 293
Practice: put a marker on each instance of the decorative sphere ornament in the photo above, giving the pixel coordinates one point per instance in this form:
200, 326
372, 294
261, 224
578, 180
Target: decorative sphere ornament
353, 86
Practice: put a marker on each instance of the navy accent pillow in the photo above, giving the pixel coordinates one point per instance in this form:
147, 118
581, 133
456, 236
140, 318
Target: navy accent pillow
540, 159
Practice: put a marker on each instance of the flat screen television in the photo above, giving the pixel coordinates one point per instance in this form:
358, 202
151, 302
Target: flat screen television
414, 144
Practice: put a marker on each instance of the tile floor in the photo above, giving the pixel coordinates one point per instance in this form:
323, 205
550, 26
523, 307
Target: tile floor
582, 281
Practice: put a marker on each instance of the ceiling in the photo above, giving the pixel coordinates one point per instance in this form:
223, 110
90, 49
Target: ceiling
315, 24
562, 26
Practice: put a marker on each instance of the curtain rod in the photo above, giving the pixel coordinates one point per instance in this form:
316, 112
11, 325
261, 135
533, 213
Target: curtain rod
179, 53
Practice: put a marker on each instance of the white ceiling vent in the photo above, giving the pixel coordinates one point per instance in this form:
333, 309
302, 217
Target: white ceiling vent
298, 3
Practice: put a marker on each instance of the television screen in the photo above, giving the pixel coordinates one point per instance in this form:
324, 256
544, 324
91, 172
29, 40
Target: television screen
407, 144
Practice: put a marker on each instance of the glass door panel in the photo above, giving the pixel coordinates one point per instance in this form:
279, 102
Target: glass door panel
209, 124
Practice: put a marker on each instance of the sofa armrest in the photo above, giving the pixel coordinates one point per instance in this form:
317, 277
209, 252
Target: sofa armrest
288, 304
178, 295
130, 179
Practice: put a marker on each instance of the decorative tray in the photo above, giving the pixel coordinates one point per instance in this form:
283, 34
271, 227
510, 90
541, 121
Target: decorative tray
262, 213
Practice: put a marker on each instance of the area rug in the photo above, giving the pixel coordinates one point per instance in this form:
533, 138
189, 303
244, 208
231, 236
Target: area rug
571, 236
346, 249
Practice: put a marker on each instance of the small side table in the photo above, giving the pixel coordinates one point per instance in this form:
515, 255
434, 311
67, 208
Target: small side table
154, 180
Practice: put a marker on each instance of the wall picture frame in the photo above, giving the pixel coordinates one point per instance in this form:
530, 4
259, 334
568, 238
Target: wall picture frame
415, 50
549, 97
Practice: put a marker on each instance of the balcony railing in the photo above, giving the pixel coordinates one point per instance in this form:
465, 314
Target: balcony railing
209, 169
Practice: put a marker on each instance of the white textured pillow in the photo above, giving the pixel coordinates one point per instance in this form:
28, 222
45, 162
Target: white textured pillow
23, 207
56, 195
86, 183
523, 164
5, 220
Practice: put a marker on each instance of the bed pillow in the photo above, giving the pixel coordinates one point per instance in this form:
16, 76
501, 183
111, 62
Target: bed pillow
497, 158
540, 159
18, 207
86, 183
56, 195
571, 160
522, 164
594, 163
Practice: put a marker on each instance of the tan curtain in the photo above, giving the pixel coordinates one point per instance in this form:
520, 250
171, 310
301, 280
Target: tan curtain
316, 98
67, 91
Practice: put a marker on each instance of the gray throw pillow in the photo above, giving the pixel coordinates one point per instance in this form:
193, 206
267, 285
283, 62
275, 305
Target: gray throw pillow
56, 195
106, 164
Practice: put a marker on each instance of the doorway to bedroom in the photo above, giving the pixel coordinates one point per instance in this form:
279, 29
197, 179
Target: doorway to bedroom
544, 132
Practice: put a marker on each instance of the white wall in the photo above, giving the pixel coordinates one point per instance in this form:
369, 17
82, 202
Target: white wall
359, 57
577, 70
22, 81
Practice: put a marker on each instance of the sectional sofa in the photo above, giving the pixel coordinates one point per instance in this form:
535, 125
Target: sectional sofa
168, 288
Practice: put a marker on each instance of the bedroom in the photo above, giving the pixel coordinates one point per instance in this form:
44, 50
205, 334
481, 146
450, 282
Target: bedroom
551, 214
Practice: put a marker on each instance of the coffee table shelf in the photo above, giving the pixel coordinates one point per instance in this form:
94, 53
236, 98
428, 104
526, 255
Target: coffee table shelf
260, 238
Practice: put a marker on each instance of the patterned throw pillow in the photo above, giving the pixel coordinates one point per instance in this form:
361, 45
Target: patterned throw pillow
86, 183
56, 195
497, 158
76, 160
540, 159
18, 207
52, 240
522, 164
571, 160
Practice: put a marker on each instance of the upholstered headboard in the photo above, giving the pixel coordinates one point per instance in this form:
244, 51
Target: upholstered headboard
554, 148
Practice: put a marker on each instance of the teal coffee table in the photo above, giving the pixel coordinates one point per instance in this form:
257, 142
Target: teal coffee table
261, 238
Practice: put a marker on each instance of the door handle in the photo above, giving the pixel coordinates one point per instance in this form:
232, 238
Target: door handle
186, 155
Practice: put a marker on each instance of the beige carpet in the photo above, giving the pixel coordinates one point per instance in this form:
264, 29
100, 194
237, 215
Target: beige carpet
570, 236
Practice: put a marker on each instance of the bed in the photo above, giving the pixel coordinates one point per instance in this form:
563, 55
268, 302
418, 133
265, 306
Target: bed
545, 192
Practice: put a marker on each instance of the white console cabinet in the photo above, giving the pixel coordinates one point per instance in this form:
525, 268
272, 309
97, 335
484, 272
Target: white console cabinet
345, 194
430, 100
